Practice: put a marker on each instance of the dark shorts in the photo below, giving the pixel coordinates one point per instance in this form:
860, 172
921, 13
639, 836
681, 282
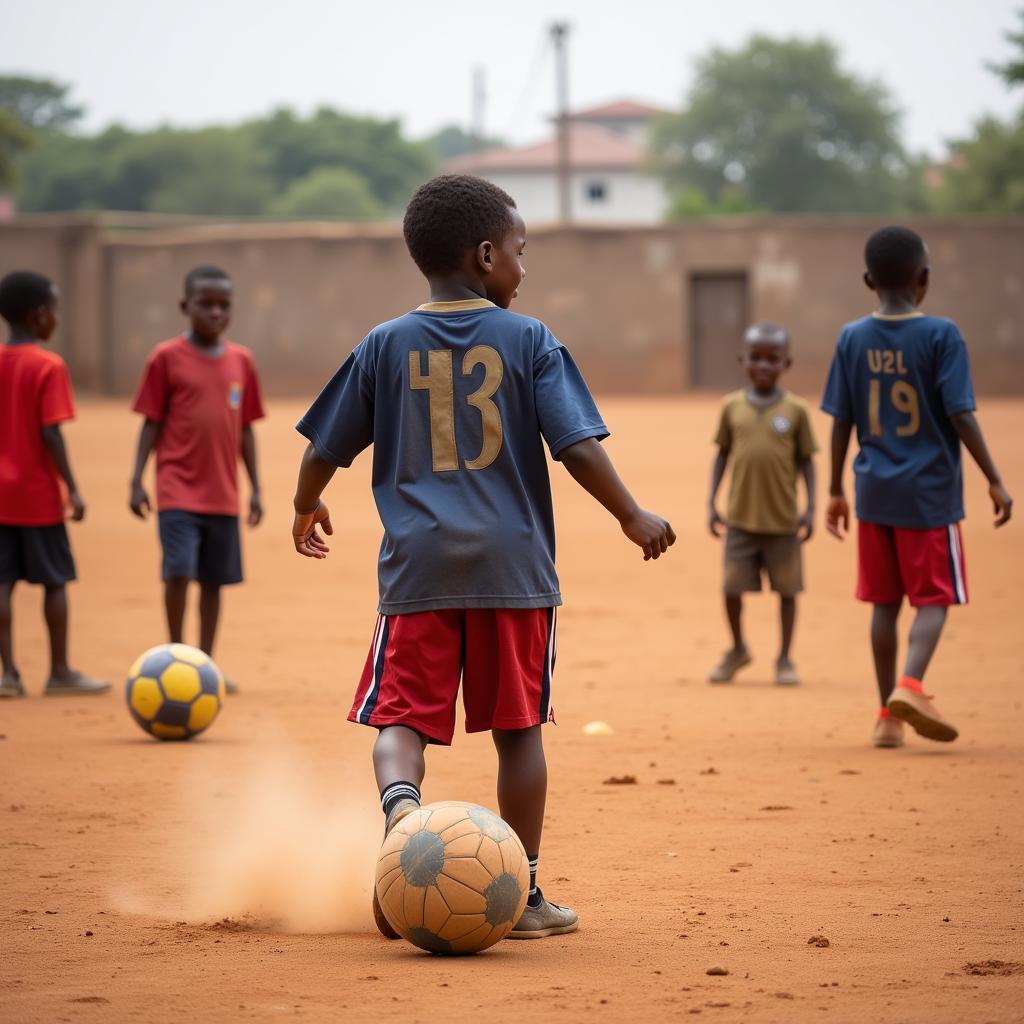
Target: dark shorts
504, 658
748, 554
200, 547
37, 554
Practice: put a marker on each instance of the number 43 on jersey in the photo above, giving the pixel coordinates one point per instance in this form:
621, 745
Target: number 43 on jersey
439, 383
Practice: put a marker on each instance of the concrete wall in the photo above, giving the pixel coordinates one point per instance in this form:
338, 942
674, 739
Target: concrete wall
619, 297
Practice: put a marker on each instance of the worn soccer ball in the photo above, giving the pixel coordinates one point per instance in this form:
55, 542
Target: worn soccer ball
452, 877
174, 691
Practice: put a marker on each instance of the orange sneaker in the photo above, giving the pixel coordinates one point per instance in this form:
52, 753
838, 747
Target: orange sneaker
910, 704
888, 732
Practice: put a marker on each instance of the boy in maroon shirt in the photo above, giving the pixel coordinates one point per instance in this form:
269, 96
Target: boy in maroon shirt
35, 398
199, 395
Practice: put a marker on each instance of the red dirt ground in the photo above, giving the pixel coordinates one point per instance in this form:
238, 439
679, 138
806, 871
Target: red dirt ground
208, 881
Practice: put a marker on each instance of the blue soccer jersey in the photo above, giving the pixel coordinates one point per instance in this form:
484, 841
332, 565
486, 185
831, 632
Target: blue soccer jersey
455, 398
899, 379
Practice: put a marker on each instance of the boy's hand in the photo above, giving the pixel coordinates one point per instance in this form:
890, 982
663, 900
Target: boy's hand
139, 501
255, 509
1002, 503
650, 532
714, 522
805, 526
77, 506
307, 540
837, 513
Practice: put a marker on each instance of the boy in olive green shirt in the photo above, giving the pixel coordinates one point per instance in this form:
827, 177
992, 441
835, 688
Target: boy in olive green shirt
767, 433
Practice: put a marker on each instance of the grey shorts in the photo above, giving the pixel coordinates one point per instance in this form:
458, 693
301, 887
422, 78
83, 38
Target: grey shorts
748, 555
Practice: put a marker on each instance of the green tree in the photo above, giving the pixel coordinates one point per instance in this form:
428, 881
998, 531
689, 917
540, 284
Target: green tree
39, 103
452, 141
15, 138
375, 150
985, 174
1013, 71
334, 193
782, 122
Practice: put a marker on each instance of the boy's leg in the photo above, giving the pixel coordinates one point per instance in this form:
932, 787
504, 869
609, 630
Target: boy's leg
785, 671
932, 565
398, 757
399, 767
180, 535
218, 564
782, 556
924, 638
742, 572
63, 678
10, 684
209, 615
522, 786
734, 616
175, 593
883, 647
522, 793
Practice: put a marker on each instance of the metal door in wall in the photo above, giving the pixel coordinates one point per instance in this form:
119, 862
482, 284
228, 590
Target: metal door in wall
718, 317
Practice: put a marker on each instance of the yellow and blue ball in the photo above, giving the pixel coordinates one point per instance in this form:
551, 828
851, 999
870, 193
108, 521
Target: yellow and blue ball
174, 691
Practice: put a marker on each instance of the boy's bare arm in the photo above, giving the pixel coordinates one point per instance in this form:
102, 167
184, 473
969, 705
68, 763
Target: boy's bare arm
717, 473
838, 512
805, 528
53, 438
967, 427
589, 465
139, 502
315, 474
249, 458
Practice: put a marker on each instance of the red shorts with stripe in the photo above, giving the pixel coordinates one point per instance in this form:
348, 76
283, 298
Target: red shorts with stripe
504, 656
926, 566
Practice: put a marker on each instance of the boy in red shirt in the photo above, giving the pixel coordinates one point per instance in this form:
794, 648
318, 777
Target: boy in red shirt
200, 395
35, 398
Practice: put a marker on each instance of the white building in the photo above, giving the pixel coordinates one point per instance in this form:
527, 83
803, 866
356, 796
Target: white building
609, 182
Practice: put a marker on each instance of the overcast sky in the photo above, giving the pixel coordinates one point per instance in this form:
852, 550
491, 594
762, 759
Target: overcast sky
192, 62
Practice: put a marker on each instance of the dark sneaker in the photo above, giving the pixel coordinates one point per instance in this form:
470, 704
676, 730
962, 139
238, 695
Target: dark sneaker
398, 812
545, 919
786, 673
10, 686
730, 664
74, 684
920, 713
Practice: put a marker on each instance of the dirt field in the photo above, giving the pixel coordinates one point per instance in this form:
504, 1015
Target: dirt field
140, 877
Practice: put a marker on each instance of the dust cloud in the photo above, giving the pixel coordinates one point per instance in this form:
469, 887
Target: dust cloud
279, 849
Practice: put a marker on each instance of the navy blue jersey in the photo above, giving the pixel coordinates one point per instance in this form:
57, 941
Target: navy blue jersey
457, 399
899, 379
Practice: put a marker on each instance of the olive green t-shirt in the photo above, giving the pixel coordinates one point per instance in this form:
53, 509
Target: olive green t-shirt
766, 446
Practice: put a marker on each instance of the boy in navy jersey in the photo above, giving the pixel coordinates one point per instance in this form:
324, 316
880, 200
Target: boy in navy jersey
457, 398
904, 380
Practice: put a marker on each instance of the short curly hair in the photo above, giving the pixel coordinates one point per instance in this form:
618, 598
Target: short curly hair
22, 291
893, 255
450, 214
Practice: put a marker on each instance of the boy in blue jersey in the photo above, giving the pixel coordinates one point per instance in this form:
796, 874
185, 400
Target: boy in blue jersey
904, 380
457, 398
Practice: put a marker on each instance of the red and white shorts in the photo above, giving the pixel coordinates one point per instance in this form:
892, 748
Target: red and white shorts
505, 658
926, 566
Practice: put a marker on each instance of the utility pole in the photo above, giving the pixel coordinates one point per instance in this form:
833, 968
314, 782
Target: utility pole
559, 37
478, 105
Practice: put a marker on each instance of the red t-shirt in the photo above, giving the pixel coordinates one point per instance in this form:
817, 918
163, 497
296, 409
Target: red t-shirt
202, 403
35, 392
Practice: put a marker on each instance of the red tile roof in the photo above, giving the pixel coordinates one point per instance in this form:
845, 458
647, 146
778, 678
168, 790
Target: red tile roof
620, 110
590, 148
